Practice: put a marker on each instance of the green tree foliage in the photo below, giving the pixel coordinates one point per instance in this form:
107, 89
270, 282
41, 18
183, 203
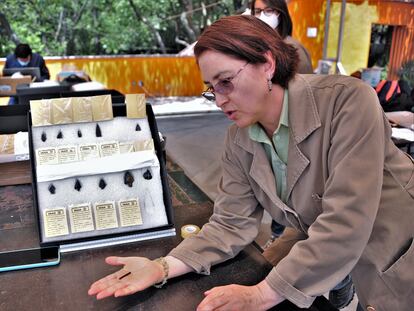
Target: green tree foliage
107, 27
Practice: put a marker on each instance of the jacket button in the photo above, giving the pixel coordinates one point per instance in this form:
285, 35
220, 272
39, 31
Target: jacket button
370, 308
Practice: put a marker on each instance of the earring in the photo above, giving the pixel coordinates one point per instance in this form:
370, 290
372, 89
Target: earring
269, 84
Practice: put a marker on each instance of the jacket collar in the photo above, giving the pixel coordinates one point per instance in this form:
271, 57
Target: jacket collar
303, 121
303, 113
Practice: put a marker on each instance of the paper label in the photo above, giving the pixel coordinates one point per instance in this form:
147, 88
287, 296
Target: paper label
55, 222
109, 148
135, 104
105, 216
126, 147
144, 145
102, 107
6, 144
88, 151
62, 110
81, 218
129, 212
46, 156
82, 109
67, 154
41, 112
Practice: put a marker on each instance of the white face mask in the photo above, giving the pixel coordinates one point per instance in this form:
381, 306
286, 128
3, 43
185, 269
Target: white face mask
272, 20
23, 63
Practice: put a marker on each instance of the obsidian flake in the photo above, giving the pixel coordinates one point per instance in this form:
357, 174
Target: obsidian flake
102, 184
137, 128
78, 185
147, 175
79, 133
59, 135
52, 189
98, 131
128, 179
43, 137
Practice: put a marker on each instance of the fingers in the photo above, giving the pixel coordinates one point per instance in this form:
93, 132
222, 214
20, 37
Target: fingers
115, 261
102, 284
106, 282
214, 299
128, 290
111, 290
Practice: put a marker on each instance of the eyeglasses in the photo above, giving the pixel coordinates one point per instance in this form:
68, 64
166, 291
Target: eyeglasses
266, 11
223, 87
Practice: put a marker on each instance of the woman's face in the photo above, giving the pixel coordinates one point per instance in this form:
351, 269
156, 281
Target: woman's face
267, 14
244, 104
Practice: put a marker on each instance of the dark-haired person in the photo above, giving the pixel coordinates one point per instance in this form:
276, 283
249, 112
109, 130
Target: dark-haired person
275, 13
316, 153
24, 57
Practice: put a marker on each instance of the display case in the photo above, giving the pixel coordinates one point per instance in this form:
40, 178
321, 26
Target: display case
101, 181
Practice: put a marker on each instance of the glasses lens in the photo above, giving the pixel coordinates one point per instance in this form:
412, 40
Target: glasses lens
209, 96
269, 11
257, 12
224, 87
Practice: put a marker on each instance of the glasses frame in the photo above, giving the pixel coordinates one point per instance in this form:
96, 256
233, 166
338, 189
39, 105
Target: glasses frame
267, 11
210, 93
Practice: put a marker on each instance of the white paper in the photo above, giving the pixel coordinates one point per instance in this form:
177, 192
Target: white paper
116, 163
402, 133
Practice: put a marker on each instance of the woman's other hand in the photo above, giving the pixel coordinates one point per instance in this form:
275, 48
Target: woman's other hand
238, 297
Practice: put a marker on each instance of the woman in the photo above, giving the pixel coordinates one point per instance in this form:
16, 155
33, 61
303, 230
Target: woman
347, 187
275, 13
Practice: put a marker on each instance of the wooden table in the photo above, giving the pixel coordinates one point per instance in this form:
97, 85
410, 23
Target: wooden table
64, 287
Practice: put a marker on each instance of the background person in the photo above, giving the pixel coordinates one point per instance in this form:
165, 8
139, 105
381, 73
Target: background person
275, 13
24, 57
346, 186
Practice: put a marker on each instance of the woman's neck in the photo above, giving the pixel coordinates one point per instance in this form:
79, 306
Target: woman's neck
273, 110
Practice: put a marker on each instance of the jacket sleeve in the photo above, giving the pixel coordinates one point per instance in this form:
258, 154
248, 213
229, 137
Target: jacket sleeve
350, 202
233, 225
8, 63
305, 62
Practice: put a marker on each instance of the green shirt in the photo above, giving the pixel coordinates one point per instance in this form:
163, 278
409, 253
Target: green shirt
277, 148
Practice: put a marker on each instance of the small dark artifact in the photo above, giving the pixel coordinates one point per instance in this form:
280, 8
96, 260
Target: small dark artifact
147, 175
102, 184
59, 135
137, 128
128, 179
52, 189
43, 137
78, 185
98, 131
79, 133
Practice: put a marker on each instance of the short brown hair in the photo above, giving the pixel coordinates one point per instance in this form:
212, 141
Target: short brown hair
248, 38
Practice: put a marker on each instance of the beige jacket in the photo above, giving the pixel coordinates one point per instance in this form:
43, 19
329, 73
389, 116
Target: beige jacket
349, 189
305, 62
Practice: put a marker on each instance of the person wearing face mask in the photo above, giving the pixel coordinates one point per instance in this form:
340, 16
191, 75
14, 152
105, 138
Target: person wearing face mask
275, 13
24, 57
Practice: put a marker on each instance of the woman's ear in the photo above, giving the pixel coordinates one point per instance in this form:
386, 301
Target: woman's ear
270, 65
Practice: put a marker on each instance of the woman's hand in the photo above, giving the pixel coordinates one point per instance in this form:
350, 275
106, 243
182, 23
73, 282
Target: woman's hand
143, 274
238, 297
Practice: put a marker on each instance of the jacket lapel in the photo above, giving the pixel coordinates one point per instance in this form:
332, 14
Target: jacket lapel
303, 121
260, 170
